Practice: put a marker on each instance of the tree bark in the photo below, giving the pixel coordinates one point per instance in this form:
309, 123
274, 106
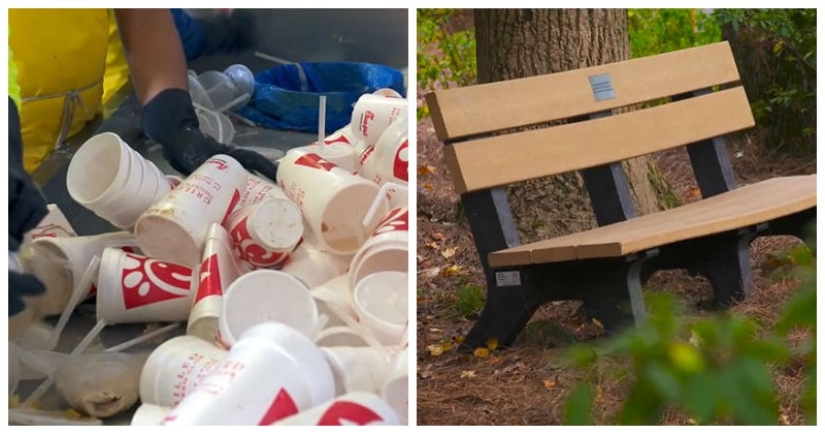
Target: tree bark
517, 43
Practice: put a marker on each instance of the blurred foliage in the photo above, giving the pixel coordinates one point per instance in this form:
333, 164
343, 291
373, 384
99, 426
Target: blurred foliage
776, 55
716, 369
454, 62
657, 31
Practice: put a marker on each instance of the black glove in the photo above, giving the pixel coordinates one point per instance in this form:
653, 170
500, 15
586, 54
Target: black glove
22, 285
226, 34
170, 119
27, 207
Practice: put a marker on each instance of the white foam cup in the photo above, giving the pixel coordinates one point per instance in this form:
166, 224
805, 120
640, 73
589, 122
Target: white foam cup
396, 386
312, 266
332, 200
175, 368
373, 114
340, 336
174, 229
135, 288
359, 369
357, 408
60, 262
385, 250
380, 301
388, 159
149, 415
215, 273
334, 299
266, 295
99, 169
54, 225
271, 373
265, 234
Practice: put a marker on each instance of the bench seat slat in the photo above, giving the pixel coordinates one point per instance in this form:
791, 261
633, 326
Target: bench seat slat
507, 159
745, 206
491, 107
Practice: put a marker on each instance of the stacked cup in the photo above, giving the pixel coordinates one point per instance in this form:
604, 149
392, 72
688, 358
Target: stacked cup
112, 180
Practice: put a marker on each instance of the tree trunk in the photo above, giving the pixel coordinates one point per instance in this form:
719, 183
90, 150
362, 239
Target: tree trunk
517, 43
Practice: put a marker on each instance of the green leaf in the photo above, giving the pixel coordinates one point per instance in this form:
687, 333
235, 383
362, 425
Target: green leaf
664, 381
701, 396
579, 405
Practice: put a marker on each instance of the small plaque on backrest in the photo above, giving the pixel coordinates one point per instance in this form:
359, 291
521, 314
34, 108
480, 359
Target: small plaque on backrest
602, 87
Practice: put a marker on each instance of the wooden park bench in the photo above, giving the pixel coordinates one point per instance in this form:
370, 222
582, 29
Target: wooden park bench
606, 267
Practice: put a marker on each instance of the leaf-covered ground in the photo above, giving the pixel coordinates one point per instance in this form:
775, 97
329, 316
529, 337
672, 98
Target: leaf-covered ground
528, 383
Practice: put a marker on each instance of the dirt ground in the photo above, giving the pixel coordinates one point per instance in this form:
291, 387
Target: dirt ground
528, 383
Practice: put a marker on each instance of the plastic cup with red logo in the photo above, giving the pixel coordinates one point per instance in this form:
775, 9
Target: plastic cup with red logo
214, 275
135, 288
386, 249
271, 373
175, 368
373, 114
352, 409
388, 159
175, 228
332, 200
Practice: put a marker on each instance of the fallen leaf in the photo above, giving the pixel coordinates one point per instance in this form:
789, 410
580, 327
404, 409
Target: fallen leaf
435, 350
448, 252
599, 394
431, 272
458, 339
783, 419
468, 374
695, 339
447, 345
438, 236
435, 330
452, 270
428, 187
549, 384
433, 245
598, 323
426, 170
492, 343
695, 192
481, 353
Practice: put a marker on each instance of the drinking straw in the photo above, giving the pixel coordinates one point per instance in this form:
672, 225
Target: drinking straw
322, 120
81, 291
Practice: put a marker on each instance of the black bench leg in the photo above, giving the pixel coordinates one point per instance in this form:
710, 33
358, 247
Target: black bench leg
726, 265
796, 225
506, 312
613, 294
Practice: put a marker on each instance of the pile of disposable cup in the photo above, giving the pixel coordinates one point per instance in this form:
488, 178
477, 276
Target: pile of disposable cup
111, 179
307, 273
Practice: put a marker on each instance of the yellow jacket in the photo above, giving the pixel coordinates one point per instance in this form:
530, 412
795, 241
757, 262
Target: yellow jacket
67, 63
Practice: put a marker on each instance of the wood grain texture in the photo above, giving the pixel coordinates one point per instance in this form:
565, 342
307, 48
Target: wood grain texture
745, 206
507, 159
491, 107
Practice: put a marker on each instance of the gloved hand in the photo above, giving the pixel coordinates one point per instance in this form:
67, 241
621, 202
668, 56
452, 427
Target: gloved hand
22, 285
27, 207
170, 119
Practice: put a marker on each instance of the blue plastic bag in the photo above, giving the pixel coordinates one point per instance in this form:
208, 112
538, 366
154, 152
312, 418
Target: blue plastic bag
287, 97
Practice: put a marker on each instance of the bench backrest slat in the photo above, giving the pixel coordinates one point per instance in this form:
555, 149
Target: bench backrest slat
486, 108
507, 159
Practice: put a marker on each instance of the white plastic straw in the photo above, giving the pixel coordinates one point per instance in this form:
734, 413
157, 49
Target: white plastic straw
237, 100
78, 293
272, 58
322, 121
379, 199
84, 343
142, 338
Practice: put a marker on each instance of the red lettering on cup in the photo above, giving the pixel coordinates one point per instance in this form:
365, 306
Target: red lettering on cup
315, 161
252, 252
340, 139
146, 281
366, 154
348, 413
395, 220
368, 116
222, 165
210, 278
399, 169
281, 407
